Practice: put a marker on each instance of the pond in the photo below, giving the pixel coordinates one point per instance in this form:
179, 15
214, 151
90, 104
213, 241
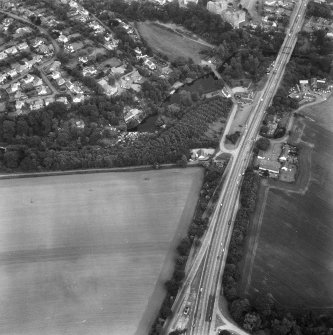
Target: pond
147, 125
202, 85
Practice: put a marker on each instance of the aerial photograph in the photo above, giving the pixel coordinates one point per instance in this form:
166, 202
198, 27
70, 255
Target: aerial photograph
166, 167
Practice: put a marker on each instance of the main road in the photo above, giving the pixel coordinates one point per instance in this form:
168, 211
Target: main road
208, 266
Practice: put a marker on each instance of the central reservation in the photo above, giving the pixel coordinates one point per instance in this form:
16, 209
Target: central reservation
88, 254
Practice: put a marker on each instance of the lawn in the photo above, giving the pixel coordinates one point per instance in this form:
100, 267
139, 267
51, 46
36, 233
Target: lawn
293, 255
169, 43
88, 254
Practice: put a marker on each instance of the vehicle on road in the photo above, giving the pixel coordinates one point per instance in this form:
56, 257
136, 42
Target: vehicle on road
186, 310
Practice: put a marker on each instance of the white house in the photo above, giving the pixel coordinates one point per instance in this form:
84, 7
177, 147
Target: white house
19, 104
37, 42
23, 46
150, 64
12, 73
63, 39
37, 104
12, 50
60, 81
83, 59
63, 100
89, 70
28, 79
41, 90
2, 55
55, 75
78, 98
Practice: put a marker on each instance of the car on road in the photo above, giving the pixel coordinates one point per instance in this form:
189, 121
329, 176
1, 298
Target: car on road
201, 288
261, 99
186, 310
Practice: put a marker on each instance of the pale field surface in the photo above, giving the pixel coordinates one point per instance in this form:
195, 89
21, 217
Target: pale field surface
169, 43
88, 254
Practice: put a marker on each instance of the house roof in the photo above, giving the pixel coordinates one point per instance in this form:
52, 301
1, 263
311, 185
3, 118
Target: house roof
272, 166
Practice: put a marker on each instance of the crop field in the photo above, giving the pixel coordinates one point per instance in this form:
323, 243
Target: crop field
88, 254
170, 43
293, 255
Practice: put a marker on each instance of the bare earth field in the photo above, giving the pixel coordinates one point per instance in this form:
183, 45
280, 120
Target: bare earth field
291, 256
88, 254
169, 43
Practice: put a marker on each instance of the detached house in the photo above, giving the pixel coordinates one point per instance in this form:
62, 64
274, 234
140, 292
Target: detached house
13, 88
37, 42
12, 73
48, 100
78, 98
19, 104
41, 90
11, 51
55, 75
37, 81
63, 39
63, 100
23, 46
3, 55
83, 59
28, 79
60, 81
2, 78
37, 104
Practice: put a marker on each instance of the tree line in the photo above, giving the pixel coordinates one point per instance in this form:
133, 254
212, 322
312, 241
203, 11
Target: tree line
49, 139
262, 312
211, 185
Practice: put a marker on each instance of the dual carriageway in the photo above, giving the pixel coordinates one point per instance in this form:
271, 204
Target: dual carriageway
201, 289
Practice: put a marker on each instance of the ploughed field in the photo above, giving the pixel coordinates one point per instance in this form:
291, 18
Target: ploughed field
88, 254
294, 254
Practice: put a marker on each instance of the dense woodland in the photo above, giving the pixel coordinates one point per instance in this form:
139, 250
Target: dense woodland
318, 9
49, 139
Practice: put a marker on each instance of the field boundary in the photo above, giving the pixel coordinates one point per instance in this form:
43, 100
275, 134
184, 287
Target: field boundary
300, 186
181, 232
252, 243
89, 171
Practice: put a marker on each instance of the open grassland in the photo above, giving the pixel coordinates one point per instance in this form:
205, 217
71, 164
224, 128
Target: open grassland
88, 254
170, 43
292, 255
